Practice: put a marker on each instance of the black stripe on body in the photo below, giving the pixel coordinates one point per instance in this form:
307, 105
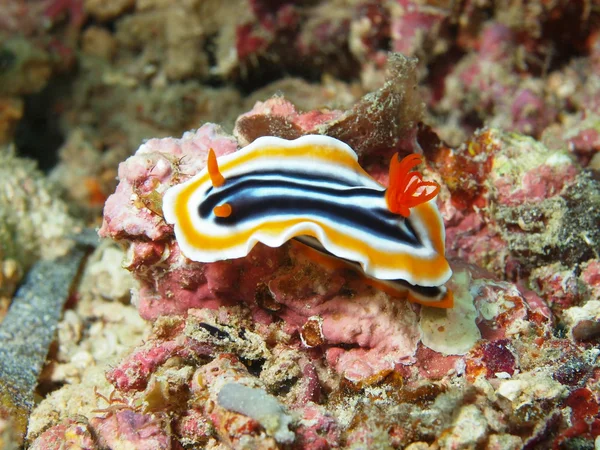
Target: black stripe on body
297, 176
252, 200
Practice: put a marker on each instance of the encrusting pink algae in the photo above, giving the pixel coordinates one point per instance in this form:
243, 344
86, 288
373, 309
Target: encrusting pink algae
342, 345
278, 349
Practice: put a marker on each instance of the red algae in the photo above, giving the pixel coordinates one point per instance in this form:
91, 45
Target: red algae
498, 357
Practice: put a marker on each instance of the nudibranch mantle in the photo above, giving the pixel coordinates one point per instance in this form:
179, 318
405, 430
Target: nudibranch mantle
312, 189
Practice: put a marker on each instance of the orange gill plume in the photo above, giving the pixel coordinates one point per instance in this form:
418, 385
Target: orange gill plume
406, 187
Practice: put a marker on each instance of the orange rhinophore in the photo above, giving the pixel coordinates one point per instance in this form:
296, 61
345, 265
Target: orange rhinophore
216, 178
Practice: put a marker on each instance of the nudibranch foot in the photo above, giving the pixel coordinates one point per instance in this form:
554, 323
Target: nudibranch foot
274, 190
436, 296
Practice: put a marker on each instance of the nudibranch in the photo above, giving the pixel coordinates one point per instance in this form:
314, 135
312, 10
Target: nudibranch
313, 190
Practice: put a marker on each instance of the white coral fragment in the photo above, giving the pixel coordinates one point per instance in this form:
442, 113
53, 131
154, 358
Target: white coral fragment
262, 407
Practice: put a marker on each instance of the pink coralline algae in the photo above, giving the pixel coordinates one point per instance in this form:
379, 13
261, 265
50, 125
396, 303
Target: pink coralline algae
127, 428
275, 350
486, 83
133, 209
516, 210
336, 360
69, 434
343, 322
118, 428
415, 26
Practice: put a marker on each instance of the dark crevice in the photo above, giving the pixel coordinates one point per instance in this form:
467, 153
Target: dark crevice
39, 135
254, 366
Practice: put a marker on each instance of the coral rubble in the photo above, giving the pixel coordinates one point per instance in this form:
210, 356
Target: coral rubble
34, 222
350, 340
275, 350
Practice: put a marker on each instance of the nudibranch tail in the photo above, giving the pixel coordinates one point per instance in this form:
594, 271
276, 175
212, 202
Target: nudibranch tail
216, 178
407, 188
